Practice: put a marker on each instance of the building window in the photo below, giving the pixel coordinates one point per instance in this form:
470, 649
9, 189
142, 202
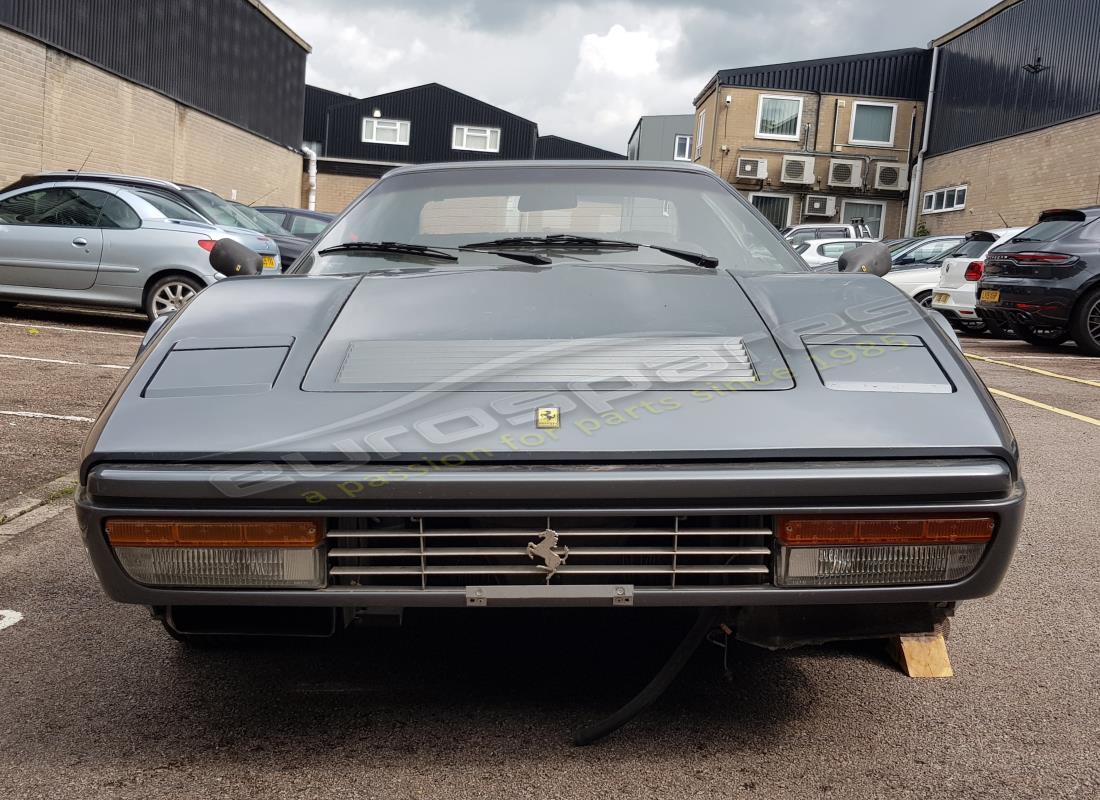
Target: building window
871, 213
950, 199
385, 131
776, 208
699, 133
777, 117
873, 123
683, 148
469, 137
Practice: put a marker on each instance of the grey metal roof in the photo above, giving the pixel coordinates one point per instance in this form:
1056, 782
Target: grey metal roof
901, 74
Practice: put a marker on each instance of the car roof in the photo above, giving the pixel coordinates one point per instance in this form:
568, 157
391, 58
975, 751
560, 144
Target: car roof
832, 241
111, 177
667, 166
102, 186
303, 211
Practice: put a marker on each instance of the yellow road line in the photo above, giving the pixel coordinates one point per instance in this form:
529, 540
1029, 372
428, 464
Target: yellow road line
1036, 370
1045, 407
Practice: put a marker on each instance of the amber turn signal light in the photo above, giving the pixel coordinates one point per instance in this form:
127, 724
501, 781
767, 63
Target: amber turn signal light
139, 532
811, 531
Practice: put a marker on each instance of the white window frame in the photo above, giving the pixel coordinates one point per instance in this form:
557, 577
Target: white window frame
681, 137
790, 203
865, 142
779, 136
483, 130
389, 123
928, 201
699, 129
844, 201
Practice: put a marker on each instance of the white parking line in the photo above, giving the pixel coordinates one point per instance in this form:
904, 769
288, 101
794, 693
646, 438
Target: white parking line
70, 330
9, 618
39, 415
61, 361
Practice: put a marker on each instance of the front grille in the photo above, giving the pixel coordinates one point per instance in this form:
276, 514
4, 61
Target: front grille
437, 552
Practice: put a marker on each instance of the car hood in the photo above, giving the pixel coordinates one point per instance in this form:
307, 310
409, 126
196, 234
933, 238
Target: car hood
642, 362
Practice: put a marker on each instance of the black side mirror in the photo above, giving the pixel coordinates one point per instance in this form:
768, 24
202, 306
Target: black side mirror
873, 258
232, 258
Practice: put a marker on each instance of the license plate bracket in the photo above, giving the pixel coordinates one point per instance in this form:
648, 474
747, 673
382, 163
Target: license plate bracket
615, 594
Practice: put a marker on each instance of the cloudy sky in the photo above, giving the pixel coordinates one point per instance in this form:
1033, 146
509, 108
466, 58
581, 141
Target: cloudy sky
588, 70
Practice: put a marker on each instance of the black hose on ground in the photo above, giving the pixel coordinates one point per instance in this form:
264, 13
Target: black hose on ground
708, 618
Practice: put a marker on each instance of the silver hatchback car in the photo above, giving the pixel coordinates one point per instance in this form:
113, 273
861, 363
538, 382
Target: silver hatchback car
102, 244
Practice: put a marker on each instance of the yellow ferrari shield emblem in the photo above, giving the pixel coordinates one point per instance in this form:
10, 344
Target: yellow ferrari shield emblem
548, 417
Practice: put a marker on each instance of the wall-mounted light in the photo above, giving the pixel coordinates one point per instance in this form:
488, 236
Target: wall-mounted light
1037, 66
376, 113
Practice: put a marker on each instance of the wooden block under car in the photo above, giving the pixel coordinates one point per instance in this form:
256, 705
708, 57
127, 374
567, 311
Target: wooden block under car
922, 656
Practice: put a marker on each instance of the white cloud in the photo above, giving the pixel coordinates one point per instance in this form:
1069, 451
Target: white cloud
622, 53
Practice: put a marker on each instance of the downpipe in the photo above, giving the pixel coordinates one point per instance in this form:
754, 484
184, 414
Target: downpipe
918, 168
311, 203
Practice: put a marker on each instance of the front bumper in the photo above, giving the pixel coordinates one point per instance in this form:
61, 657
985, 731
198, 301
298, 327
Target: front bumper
956, 303
984, 486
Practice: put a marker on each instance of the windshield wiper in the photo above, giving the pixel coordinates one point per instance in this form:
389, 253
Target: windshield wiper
429, 252
569, 239
388, 247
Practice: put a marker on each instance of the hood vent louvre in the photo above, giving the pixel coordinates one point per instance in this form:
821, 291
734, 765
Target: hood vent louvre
669, 362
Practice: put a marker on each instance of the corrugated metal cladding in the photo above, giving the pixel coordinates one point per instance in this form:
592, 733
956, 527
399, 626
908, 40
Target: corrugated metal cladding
318, 101
983, 92
223, 57
431, 111
558, 148
900, 74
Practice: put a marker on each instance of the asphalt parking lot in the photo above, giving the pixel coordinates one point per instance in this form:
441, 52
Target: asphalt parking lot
95, 701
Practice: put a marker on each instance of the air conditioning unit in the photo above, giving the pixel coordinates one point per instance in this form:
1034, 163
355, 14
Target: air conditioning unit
754, 169
891, 176
819, 205
798, 169
845, 172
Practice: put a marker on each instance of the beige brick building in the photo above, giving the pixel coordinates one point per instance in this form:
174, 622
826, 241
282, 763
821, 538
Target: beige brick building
816, 141
1011, 180
59, 112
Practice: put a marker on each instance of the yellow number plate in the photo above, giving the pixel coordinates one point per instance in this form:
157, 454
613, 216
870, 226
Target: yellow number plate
269, 262
990, 296
940, 298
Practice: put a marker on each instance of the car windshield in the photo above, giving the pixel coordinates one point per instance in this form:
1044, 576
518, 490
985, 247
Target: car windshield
220, 211
459, 207
171, 209
259, 222
1047, 231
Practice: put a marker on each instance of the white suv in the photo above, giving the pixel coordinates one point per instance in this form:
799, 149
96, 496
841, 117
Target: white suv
956, 294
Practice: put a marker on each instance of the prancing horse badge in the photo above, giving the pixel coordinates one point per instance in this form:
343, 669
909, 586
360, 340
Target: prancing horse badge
548, 417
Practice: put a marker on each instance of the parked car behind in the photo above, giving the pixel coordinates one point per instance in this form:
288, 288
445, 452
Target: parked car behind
1046, 281
955, 295
796, 234
100, 244
290, 246
821, 251
298, 221
921, 251
202, 202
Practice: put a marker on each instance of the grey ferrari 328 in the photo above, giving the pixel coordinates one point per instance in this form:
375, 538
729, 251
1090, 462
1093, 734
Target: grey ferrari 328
550, 384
